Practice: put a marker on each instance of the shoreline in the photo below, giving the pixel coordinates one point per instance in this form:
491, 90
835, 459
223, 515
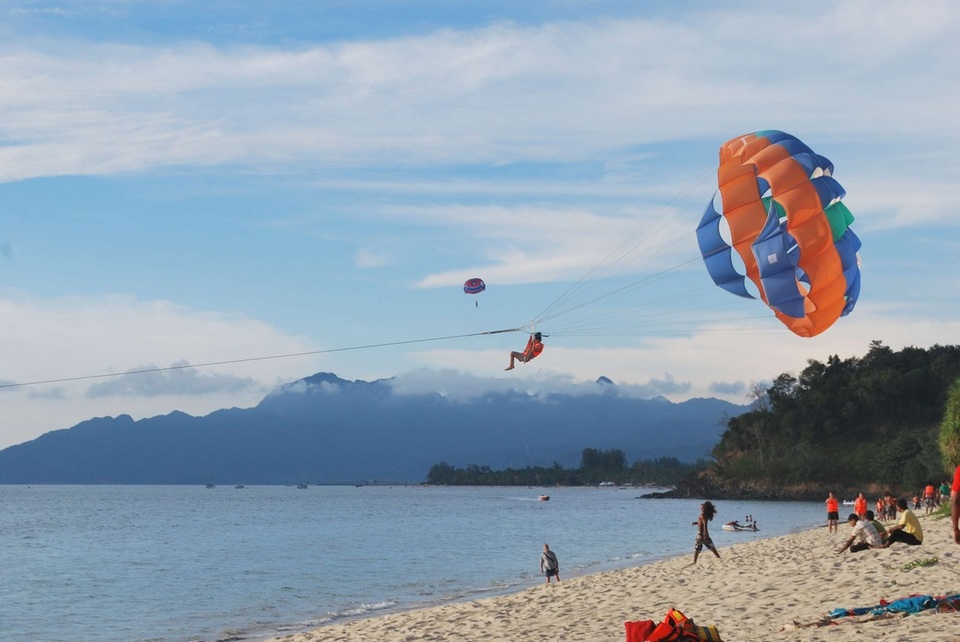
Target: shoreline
768, 589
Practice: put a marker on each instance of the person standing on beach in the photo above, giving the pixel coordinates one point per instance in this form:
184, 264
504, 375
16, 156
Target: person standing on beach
955, 505
707, 511
860, 506
833, 513
549, 564
929, 497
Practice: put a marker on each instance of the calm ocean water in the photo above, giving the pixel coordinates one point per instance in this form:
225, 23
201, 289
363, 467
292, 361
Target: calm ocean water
160, 563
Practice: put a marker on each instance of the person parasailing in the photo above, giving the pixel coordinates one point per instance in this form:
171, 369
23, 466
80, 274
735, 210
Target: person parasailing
533, 349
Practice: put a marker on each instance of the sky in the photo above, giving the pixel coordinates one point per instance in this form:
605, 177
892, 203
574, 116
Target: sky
233, 195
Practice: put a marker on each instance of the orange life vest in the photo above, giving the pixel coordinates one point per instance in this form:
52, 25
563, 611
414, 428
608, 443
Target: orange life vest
533, 349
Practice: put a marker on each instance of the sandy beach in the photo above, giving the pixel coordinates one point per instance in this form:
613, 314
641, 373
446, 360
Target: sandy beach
773, 589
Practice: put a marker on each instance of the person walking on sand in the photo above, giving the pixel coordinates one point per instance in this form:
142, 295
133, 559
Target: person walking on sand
833, 513
707, 511
533, 349
549, 564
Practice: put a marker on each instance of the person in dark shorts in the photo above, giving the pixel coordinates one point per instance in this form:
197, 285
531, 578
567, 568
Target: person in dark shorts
549, 564
907, 529
707, 511
833, 513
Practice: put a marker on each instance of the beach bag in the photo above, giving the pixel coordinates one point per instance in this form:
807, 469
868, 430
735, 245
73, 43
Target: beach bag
674, 628
707, 633
639, 630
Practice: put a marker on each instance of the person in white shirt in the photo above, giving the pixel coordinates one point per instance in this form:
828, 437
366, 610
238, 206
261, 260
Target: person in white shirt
863, 531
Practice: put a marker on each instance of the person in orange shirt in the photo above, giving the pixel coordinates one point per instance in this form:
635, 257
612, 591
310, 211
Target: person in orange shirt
860, 506
930, 497
833, 513
533, 349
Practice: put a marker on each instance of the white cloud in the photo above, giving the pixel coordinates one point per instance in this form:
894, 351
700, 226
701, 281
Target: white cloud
462, 95
78, 344
178, 379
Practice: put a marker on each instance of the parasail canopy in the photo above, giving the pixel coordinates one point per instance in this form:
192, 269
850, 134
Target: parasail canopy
789, 228
474, 286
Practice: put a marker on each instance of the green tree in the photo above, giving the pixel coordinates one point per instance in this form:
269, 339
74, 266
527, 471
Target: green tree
950, 428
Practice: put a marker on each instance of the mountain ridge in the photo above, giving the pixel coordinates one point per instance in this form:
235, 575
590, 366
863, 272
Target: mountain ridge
324, 429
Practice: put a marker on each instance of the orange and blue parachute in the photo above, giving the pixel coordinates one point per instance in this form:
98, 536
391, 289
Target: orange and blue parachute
790, 228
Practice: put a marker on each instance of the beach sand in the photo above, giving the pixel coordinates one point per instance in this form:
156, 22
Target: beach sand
759, 590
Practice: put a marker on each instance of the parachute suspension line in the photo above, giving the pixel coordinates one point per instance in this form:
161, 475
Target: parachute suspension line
615, 293
290, 355
616, 275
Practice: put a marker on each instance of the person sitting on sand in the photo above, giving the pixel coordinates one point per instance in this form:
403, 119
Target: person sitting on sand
549, 564
907, 529
707, 511
881, 529
533, 349
863, 531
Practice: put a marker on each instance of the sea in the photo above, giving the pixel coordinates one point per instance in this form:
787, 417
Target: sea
192, 563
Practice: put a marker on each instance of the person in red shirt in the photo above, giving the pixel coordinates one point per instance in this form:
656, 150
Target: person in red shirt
533, 349
860, 506
955, 504
930, 497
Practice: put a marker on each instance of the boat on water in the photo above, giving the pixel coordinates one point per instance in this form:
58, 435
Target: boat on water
737, 526
302, 485
544, 498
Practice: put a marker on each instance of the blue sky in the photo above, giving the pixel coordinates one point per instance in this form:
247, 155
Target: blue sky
184, 183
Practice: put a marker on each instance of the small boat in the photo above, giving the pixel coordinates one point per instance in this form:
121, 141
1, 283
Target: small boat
737, 526
211, 485
544, 498
302, 485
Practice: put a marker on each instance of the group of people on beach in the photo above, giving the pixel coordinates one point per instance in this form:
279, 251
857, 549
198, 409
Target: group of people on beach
931, 497
868, 530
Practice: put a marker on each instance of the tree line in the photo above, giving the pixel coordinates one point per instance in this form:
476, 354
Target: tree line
596, 466
878, 419
888, 419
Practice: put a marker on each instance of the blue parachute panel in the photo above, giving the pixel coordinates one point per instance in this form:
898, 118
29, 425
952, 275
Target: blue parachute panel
777, 255
717, 254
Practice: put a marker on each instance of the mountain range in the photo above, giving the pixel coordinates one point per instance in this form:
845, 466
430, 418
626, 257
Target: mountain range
324, 429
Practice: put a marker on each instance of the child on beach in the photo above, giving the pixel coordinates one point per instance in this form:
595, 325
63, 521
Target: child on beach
707, 511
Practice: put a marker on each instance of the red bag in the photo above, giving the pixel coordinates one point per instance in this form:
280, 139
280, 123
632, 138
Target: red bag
639, 631
666, 631
674, 628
